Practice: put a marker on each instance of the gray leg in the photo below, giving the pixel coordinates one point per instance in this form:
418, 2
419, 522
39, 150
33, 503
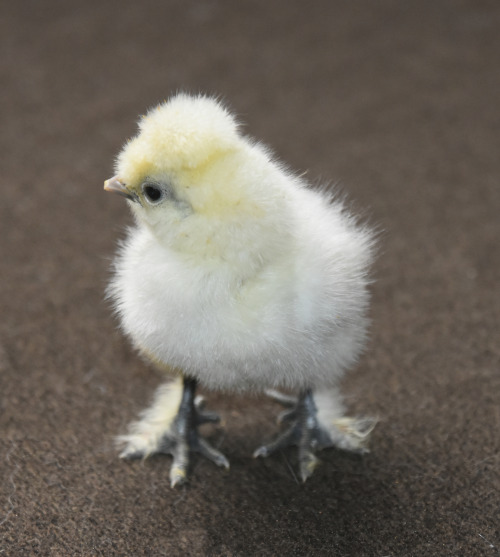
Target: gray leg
304, 432
170, 426
183, 437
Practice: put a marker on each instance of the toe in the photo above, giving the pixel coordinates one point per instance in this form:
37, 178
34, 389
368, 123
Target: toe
128, 454
206, 450
261, 452
308, 463
178, 475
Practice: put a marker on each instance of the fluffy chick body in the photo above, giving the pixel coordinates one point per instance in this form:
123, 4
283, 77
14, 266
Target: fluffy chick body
238, 276
246, 279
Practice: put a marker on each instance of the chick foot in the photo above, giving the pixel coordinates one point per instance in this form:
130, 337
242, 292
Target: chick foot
184, 437
309, 434
304, 432
178, 439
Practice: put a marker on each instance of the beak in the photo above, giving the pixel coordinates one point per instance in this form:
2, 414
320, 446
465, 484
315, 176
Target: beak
115, 186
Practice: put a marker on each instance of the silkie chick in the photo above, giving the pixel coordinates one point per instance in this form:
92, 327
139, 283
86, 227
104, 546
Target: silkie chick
236, 276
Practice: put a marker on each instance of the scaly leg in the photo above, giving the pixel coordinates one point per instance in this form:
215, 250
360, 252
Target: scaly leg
309, 433
304, 432
170, 426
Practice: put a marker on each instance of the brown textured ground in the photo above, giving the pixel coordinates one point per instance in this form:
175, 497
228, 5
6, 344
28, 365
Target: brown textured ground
399, 101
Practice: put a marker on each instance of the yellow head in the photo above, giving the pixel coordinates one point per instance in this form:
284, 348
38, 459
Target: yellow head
180, 134
196, 183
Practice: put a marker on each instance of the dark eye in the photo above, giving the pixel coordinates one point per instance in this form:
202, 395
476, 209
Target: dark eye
152, 193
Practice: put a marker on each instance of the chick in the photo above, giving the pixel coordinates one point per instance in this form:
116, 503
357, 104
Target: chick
236, 276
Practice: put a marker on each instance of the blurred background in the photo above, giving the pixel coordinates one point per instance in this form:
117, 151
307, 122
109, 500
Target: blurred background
394, 103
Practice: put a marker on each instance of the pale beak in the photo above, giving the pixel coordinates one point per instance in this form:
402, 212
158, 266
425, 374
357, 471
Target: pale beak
115, 186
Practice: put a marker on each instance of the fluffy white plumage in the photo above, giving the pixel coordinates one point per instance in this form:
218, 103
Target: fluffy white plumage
237, 275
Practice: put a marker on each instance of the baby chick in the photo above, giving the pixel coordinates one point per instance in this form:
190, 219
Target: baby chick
237, 276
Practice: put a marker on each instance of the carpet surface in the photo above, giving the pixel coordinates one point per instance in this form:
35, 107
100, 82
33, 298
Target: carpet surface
398, 104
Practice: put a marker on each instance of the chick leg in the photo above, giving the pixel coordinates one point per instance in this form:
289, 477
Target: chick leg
304, 432
170, 426
184, 437
313, 430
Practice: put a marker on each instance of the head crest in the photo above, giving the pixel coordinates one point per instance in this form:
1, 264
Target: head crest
183, 132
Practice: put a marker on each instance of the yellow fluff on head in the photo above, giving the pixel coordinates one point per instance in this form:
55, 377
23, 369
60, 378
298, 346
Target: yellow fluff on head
181, 133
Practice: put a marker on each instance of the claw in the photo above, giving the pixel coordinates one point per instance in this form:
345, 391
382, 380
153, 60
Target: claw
132, 455
207, 418
177, 476
286, 439
173, 431
308, 463
212, 454
282, 398
261, 451
309, 434
287, 416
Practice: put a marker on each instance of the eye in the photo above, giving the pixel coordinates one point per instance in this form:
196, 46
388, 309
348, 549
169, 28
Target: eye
152, 193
